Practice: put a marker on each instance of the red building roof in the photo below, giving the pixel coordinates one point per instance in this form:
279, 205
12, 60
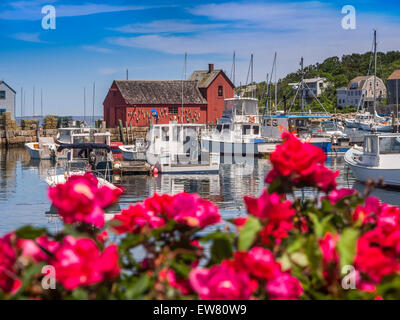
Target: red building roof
169, 92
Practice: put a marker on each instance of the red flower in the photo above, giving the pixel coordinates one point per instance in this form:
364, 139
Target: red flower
295, 158
369, 211
372, 259
81, 200
270, 206
220, 282
261, 263
136, 219
302, 164
8, 280
284, 287
79, 262
168, 275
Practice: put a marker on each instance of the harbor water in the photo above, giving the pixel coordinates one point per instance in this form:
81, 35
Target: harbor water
23, 191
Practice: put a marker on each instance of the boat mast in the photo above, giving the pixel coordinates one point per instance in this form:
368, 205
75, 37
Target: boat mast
183, 78
276, 86
302, 84
375, 75
233, 71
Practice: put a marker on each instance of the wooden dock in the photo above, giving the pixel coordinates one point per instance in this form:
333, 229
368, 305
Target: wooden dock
133, 168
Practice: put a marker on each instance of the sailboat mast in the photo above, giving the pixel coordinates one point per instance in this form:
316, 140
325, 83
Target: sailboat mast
375, 74
183, 78
276, 85
302, 84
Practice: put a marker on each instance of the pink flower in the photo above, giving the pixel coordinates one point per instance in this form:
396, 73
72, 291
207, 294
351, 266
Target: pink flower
190, 209
136, 219
336, 195
284, 287
79, 262
220, 282
32, 249
328, 249
168, 275
369, 211
81, 200
8, 280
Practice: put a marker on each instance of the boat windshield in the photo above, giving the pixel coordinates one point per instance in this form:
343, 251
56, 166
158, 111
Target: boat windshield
370, 145
241, 107
389, 145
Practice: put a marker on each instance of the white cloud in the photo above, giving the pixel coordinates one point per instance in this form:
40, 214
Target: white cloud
31, 10
28, 37
97, 49
168, 26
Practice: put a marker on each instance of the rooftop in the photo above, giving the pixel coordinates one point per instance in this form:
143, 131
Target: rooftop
395, 75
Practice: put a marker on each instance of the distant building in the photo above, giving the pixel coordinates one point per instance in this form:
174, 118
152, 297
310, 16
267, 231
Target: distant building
7, 99
393, 85
132, 101
360, 92
312, 87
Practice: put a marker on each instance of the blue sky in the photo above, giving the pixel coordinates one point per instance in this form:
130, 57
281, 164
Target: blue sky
96, 41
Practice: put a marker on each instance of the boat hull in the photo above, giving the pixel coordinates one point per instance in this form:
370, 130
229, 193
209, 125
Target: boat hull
230, 148
131, 155
391, 177
33, 153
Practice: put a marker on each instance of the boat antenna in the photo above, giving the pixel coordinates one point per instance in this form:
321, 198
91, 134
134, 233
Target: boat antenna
84, 103
233, 70
250, 73
183, 78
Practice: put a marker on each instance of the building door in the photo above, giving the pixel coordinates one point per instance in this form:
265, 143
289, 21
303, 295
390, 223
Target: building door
119, 115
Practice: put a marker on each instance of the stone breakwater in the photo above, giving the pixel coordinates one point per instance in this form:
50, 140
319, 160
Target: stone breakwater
18, 137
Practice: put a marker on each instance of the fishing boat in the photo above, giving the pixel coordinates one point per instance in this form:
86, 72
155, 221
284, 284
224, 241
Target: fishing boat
361, 117
238, 132
175, 148
82, 135
83, 158
377, 159
45, 149
134, 152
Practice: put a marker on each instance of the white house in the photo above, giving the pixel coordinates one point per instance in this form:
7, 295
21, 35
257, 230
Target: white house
360, 92
312, 87
7, 99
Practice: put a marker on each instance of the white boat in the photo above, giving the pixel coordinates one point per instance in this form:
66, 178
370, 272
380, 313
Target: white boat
82, 135
45, 149
175, 148
378, 159
239, 130
83, 158
134, 152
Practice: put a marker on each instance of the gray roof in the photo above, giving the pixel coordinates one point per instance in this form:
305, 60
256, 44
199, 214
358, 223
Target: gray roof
160, 92
205, 77
1, 82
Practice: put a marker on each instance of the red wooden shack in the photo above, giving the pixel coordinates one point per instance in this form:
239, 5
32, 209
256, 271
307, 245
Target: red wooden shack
200, 99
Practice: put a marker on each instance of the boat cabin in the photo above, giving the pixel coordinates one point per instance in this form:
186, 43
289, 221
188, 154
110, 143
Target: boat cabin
382, 150
82, 135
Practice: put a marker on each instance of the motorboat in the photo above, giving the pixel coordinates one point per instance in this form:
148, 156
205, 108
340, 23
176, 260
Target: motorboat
45, 149
134, 152
238, 132
83, 158
377, 159
175, 148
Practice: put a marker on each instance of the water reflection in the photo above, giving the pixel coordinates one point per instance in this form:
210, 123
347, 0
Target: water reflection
23, 191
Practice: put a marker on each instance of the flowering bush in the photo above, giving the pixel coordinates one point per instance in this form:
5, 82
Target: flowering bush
337, 245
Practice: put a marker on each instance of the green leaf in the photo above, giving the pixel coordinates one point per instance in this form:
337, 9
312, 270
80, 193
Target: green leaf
137, 289
221, 249
29, 232
249, 233
347, 246
80, 294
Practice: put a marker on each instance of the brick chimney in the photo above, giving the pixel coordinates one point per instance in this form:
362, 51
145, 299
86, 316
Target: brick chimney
210, 67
